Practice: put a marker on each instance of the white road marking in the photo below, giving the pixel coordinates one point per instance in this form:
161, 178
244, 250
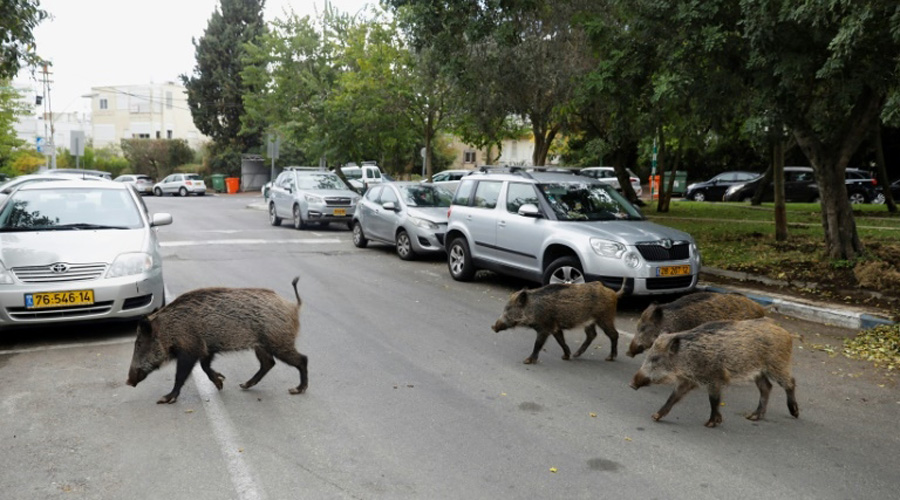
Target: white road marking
66, 346
307, 241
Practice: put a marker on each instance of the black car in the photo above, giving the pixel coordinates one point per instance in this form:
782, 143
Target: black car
799, 186
895, 193
860, 186
714, 189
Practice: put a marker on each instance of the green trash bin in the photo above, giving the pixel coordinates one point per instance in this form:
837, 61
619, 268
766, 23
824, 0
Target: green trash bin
680, 185
218, 182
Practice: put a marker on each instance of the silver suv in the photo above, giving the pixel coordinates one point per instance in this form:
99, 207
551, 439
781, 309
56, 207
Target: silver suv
309, 194
563, 228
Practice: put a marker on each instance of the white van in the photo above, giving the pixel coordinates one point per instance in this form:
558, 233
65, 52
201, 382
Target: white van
362, 176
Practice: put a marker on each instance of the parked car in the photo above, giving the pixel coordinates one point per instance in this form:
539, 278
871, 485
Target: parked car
799, 186
361, 177
142, 183
714, 189
448, 179
308, 194
181, 184
409, 215
895, 193
11, 185
79, 171
563, 228
607, 175
861, 186
78, 251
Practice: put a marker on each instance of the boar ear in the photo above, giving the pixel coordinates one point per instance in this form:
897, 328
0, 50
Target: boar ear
144, 327
522, 299
657, 313
674, 345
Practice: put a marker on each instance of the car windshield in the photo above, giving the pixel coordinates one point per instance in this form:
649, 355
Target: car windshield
580, 201
193, 177
69, 209
426, 196
319, 181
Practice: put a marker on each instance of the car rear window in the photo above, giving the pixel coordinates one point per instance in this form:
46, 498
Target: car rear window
193, 177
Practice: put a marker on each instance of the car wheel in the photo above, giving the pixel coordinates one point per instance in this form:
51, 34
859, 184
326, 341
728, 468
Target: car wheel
699, 196
857, 198
564, 270
183, 191
158, 192
299, 223
879, 199
459, 260
404, 246
274, 219
359, 239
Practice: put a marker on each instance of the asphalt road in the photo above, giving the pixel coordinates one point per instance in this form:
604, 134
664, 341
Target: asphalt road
412, 396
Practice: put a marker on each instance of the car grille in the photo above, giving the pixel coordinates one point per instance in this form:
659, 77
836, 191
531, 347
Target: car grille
337, 201
669, 283
60, 273
655, 252
23, 314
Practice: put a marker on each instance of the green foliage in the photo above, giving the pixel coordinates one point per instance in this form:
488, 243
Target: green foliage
18, 18
11, 108
24, 161
157, 157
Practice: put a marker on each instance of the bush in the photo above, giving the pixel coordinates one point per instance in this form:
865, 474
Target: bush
877, 275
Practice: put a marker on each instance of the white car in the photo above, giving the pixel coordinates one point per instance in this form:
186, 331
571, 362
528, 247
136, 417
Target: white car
607, 175
181, 184
142, 183
448, 179
77, 251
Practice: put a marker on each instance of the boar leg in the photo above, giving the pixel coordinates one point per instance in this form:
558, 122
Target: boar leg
680, 390
765, 387
185, 364
214, 376
590, 333
786, 381
561, 340
538, 345
715, 399
292, 357
266, 362
609, 328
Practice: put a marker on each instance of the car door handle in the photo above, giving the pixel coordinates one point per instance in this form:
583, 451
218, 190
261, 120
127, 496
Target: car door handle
501, 223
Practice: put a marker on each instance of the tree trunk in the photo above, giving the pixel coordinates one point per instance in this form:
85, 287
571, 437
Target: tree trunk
660, 167
543, 139
429, 134
881, 170
768, 175
620, 163
778, 174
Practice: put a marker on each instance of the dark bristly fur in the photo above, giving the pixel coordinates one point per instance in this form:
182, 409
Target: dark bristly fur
202, 323
717, 354
554, 308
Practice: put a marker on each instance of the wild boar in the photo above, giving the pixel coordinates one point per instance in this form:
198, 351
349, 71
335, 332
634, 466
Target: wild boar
202, 323
719, 353
688, 312
554, 308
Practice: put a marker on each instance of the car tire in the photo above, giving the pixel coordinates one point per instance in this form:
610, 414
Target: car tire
459, 260
857, 198
564, 270
157, 192
274, 219
404, 246
879, 199
699, 196
359, 239
183, 192
299, 223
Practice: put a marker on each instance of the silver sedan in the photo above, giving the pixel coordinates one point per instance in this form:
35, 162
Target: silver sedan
78, 251
409, 215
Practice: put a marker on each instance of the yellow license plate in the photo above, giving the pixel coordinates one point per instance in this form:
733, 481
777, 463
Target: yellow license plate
673, 270
340, 211
59, 299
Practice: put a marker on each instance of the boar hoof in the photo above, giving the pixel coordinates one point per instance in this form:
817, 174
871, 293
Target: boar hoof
656, 417
611, 357
566, 357
167, 399
753, 417
794, 409
246, 385
714, 421
297, 390
530, 361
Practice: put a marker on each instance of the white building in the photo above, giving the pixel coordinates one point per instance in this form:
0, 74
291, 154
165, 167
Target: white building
153, 111
36, 127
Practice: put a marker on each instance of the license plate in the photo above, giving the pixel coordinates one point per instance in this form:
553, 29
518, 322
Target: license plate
59, 299
340, 211
673, 270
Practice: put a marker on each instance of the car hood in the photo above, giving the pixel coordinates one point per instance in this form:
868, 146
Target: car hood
437, 215
47, 247
628, 232
329, 193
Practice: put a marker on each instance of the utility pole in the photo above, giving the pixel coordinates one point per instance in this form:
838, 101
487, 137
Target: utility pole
48, 114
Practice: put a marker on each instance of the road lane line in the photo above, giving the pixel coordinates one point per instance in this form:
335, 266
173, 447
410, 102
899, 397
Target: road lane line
66, 346
308, 241
239, 470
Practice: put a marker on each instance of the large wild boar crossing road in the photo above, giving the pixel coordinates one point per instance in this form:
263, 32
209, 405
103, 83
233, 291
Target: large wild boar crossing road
411, 395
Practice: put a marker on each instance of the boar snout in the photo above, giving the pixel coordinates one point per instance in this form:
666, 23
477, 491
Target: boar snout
639, 380
634, 349
499, 326
135, 377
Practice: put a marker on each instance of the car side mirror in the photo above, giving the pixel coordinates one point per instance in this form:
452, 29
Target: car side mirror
529, 210
390, 205
160, 220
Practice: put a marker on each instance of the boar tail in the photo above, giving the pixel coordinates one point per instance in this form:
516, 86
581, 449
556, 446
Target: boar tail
621, 291
294, 283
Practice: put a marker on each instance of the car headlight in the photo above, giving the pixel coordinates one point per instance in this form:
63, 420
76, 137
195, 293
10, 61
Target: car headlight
695, 250
607, 248
129, 264
632, 260
6, 277
424, 224
311, 198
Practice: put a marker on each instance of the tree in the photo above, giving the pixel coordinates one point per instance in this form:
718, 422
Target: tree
215, 91
156, 157
11, 107
18, 18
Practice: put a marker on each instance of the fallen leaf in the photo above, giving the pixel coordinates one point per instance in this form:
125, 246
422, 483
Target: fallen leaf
593, 415
627, 438
553, 470
189, 411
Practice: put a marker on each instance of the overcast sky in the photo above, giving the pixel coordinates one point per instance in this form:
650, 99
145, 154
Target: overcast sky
94, 43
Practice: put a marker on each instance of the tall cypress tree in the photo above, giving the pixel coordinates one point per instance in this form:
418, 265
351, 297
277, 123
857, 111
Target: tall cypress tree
215, 91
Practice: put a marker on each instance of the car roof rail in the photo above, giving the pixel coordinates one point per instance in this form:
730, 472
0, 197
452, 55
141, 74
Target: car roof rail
503, 169
305, 168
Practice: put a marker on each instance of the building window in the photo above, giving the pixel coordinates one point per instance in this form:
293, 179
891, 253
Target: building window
168, 134
104, 104
469, 157
157, 134
140, 136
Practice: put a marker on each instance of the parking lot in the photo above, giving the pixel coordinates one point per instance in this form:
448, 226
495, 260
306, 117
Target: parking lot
412, 395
